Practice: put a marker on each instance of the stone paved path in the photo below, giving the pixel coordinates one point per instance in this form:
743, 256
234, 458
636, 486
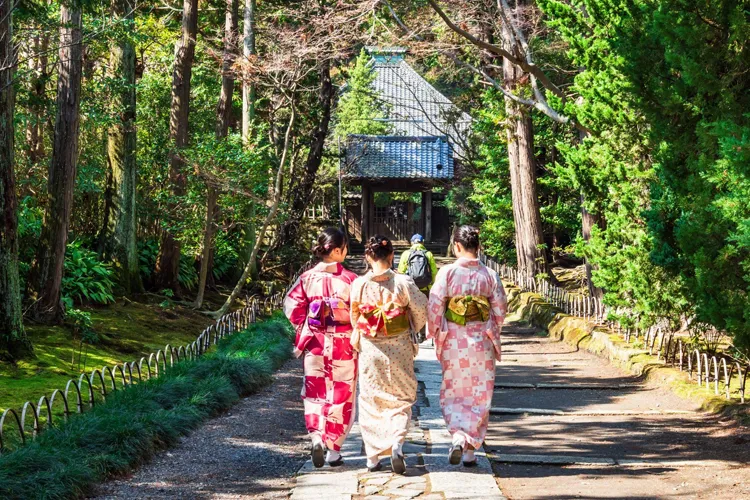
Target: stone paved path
252, 451
428, 475
567, 424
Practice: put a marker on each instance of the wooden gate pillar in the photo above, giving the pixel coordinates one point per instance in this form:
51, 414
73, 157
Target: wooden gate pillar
365, 224
427, 215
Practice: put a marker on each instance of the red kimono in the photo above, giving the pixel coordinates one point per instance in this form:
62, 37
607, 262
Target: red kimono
318, 307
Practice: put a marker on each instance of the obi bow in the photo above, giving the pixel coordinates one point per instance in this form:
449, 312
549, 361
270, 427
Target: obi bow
327, 312
467, 309
388, 319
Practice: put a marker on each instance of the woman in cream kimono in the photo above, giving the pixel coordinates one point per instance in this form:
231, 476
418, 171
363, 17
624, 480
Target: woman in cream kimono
466, 313
318, 307
386, 307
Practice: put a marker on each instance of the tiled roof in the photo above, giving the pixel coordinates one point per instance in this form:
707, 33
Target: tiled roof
415, 107
398, 157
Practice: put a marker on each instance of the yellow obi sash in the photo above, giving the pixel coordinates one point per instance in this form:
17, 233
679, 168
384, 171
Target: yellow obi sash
467, 309
387, 319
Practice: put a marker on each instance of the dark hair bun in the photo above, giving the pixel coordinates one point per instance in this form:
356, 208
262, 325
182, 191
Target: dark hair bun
468, 236
379, 247
329, 240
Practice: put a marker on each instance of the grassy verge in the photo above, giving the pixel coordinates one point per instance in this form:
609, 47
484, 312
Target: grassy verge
126, 331
122, 433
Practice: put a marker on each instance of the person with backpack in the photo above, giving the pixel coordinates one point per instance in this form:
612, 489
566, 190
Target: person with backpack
419, 264
317, 305
465, 317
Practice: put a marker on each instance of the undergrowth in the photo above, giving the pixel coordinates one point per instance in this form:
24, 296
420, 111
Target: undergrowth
114, 437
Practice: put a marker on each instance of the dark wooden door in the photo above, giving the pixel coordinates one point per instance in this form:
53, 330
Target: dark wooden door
396, 221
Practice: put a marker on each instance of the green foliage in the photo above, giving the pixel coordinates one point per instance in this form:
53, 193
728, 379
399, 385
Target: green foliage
80, 320
86, 278
491, 186
68, 460
700, 202
30, 216
148, 251
663, 88
360, 110
82, 326
188, 272
488, 201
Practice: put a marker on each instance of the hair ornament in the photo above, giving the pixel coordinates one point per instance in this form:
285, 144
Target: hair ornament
384, 242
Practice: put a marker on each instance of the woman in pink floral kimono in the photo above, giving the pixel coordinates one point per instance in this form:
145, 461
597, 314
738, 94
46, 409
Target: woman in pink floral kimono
466, 313
318, 307
386, 309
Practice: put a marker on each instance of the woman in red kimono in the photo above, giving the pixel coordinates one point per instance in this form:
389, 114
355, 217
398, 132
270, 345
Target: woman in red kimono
318, 307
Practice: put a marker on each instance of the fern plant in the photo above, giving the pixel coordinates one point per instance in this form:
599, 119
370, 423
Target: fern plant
86, 278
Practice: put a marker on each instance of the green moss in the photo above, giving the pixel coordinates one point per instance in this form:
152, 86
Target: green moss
127, 331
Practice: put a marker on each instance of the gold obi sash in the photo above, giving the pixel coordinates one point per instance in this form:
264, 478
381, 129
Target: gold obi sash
387, 320
468, 309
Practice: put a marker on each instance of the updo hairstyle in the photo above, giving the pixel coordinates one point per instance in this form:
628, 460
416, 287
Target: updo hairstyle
329, 240
468, 236
379, 248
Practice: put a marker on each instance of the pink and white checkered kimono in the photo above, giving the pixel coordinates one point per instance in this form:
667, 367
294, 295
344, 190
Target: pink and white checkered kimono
330, 362
467, 353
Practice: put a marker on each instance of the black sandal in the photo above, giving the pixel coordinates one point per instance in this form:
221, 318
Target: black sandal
376, 468
317, 453
337, 463
473, 463
398, 463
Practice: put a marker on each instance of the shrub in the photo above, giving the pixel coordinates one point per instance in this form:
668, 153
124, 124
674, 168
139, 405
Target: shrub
86, 278
148, 252
116, 436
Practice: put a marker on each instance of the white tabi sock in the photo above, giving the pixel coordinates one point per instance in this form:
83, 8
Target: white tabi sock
469, 456
459, 440
397, 449
372, 462
332, 456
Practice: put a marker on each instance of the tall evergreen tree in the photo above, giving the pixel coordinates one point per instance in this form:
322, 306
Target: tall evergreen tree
48, 271
360, 111
13, 341
168, 265
119, 232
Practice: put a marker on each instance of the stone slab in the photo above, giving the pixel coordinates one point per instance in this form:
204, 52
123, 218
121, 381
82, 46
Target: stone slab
454, 482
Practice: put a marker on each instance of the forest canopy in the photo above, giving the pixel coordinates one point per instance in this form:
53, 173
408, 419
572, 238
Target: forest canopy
171, 148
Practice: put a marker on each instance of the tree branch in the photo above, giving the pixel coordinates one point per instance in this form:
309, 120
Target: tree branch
526, 64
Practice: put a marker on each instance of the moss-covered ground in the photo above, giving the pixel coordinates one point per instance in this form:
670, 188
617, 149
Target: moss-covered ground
125, 331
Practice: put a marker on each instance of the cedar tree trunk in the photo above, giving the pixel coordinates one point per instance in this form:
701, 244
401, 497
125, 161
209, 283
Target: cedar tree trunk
13, 341
223, 115
48, 269
168, 262
119, 232
529, 236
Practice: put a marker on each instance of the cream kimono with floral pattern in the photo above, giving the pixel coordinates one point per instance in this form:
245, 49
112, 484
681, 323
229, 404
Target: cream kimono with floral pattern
387, 383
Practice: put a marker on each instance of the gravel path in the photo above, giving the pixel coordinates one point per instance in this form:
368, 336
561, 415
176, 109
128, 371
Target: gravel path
252, 451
